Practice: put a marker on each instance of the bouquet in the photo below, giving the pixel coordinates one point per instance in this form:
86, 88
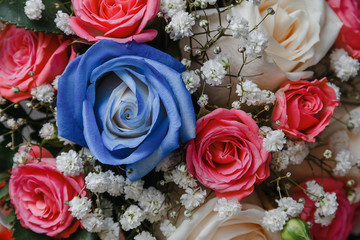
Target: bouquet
174, 119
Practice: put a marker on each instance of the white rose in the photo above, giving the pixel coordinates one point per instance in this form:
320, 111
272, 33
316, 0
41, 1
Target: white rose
299, 34
207, 225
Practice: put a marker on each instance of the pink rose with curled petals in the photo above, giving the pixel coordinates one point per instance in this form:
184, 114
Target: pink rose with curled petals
349, 36
38, 192
24, 52
117, 20
227, 154
303, 109
346, 216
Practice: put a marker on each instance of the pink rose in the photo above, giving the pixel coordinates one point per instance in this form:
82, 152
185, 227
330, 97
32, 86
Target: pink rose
121, 21
349, 36
303, 109
24, 51
38, 192
346, 215
227, 154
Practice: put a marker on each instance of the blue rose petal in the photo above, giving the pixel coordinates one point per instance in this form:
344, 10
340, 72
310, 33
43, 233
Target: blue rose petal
127, 103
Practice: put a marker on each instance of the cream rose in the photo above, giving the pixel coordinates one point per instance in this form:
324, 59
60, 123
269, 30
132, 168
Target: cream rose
207, 225
299, 34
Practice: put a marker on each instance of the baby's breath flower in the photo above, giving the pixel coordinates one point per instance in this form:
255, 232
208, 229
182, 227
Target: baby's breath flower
132, 218
70, 163
80, 207
33, 9
62, 22
47, 131
227, 208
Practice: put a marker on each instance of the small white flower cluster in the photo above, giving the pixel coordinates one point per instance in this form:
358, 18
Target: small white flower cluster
255, 44
274, 141
325, 202
33, 9
344, 162
294, 154
193, 198
43, 93
21, 157
80, 207
144, 235
354, 121
55, 83
343, 65
105, 182
213, 71
70, 163
12, 123
62, 22
167, 228
181, 177
132, 218
227, 208
275, 219
180, 25
152, 202
191, 80
252, 95
170, 7
47, 131
238, 25
203, 100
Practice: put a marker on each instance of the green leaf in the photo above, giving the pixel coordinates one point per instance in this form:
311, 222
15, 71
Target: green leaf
4, 191
82, 234
4, 176
23, 233
11, 218
12, 11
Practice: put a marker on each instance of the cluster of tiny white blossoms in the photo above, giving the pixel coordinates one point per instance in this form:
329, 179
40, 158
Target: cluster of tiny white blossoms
33, 9
354, 121
294, 154
21, 157
62, 22
11, 122
344, 162
274, 140
325, 202
43, 93
344, 66
251, 94
203, 100
191, 80
70, 163
105, 182
227, 208
144, 235
47, 131
275, 219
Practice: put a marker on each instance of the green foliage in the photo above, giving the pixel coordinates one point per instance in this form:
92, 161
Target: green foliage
12, 11
20, 233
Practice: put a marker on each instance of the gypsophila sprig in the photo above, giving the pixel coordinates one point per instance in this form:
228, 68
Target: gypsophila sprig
343, 162
111, 230
132, 218
180, 25
290, 206
94, 222
152, 202
191, 80
47, 131
193, 198
62, 22
227, 208
344, 66
33, 9
43, 93
70, 163
213, 72
21, 157
274, 220
97, 182
144, 235
80, 207
167, 228
274, 141
354, 121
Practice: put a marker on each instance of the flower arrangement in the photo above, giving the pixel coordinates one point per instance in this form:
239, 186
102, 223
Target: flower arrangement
174, 119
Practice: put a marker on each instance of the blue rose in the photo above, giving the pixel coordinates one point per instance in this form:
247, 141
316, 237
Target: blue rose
127, 103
